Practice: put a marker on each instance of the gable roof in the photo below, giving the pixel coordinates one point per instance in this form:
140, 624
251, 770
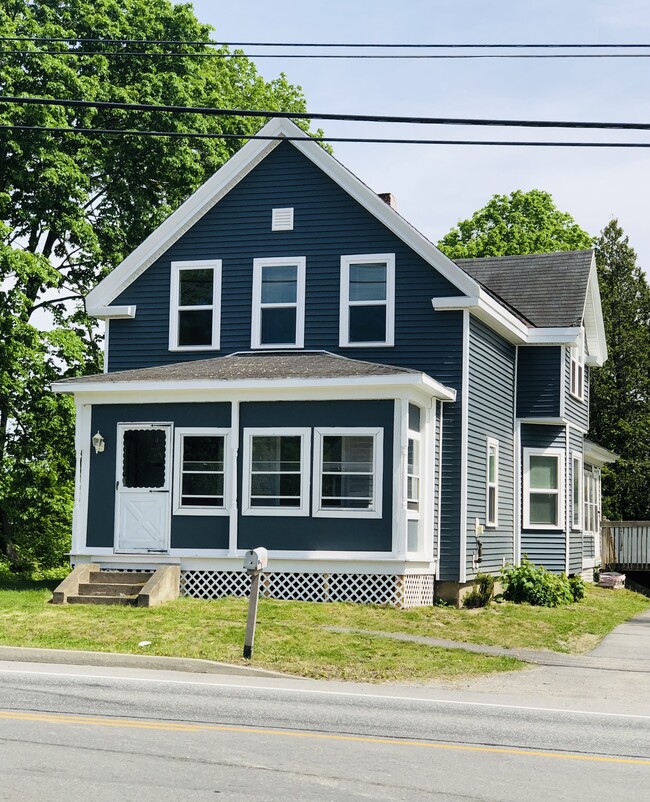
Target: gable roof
548, 289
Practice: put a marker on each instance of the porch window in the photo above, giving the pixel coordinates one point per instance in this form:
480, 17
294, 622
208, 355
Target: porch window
347, 473
413, 463
195, 306
278, 303
591, 493
492, 483
200, 476
576, 490
367, 300
543, 489
276, 471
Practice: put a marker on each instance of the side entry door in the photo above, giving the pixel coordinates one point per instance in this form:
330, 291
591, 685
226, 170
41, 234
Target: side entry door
142, 489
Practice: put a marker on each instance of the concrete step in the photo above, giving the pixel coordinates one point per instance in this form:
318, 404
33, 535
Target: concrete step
108, 589
126, 601
120, 577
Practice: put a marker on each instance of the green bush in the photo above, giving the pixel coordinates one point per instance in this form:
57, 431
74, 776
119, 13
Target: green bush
578, 588
481, 595
531, 584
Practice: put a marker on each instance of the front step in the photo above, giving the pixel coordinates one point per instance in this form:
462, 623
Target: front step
120, 577
125, 601
109, 589
86, 584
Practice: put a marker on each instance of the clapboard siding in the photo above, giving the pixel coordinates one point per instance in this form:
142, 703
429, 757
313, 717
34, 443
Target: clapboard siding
187, 531
491, 410
576, 549
543, 547
576, 411
327, 224
539, 371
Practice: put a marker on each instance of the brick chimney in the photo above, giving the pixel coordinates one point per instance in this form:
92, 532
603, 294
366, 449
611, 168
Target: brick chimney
388, 198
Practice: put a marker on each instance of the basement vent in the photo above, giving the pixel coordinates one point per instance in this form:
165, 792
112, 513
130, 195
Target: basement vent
282, 219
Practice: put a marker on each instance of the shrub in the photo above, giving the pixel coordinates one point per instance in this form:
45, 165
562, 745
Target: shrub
578, 588
481, 595
531, 584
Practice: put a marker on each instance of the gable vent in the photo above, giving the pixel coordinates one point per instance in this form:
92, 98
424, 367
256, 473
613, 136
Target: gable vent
282, 219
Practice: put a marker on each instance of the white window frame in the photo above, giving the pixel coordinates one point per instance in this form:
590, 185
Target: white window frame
300, 262
195, 431
416, 436
577, 374
174, 307
577, 472
492, 444
344, 306
305, 469
561, 504
378, 460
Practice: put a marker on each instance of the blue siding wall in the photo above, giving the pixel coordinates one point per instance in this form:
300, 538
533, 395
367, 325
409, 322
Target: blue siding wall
539, 372
190, 532
325, 534
491, 412
544, 547
576, 411
576, 443
327, 224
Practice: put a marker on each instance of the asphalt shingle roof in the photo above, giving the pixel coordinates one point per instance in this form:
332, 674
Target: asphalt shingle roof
548, 289
238, 367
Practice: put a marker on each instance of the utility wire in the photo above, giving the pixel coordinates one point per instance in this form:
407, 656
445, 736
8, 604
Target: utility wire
208, 111
326, 56
364, 140
433, 45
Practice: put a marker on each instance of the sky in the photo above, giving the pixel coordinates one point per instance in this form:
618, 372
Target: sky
436, 186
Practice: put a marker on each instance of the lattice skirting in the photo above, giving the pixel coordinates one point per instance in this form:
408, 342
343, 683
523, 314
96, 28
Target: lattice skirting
395, 591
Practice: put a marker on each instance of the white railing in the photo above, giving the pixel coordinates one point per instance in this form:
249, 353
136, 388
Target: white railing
626, 544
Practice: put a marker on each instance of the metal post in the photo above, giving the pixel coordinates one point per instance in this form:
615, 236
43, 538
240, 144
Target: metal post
252, 614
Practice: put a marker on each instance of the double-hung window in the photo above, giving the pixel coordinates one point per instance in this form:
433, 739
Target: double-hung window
367, 300
578, 370
195, 305
200, 475
347, 473
576, 490
492, 483
276, 471
543, 488
278, 303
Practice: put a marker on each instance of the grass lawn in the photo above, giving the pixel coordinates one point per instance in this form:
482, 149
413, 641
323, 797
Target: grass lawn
290, 635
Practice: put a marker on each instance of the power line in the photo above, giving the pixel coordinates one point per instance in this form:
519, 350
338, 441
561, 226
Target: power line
208, 111
362, 140
327, 56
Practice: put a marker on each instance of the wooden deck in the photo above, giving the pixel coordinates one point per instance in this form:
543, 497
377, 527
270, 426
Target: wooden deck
626, 545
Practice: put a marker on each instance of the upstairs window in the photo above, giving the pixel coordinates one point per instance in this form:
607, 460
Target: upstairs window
195, 305
578, 370
367, 300
492, 483
278, 303
543, 489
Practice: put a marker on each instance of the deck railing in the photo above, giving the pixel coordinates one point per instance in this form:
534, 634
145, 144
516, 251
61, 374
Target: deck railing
626, 544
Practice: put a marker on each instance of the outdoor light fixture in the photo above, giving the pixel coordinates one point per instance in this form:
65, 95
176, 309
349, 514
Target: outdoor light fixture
98, 442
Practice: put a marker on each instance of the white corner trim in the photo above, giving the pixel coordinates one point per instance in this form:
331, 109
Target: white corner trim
114, 312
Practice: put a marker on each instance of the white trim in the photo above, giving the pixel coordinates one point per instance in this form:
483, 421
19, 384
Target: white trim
106, 344
83, 449
597, 455
113, 312
388, 259
397, 526
491, 443
305, 471
577, 371
563, 360
464, 438
592, 317
567, 500
175, 308
559, 455
576, 456
427, 480
233, 527
195, 431
375, 511
516, 540
282, 218
439, 500
300, 263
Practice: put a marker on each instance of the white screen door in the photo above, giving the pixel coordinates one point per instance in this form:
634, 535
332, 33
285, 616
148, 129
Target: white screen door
142, 498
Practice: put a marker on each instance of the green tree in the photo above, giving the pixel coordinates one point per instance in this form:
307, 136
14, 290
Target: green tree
620, 390
519, 223
73, 205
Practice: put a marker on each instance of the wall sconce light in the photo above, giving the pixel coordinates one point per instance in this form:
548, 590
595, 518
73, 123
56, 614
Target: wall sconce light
98, 442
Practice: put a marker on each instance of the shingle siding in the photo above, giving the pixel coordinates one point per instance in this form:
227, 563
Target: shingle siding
490, 413
539, 371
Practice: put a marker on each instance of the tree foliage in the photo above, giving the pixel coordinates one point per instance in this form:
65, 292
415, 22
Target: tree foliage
510, 225
72, 206
620, 390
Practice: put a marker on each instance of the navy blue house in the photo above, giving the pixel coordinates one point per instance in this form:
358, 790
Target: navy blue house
290, 364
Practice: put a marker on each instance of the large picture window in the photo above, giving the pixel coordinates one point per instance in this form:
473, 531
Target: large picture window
278, 303
347, 473
543, 489
195, 305
276, 471
367, 300
200, 485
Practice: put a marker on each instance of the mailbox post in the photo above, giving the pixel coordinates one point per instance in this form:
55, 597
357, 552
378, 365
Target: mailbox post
255, 561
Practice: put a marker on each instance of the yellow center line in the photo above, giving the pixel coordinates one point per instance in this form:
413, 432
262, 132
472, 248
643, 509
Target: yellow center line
50, 718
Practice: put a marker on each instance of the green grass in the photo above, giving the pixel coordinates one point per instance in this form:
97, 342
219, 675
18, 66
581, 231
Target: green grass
291, 636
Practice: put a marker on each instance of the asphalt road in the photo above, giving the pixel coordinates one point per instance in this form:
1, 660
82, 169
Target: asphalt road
125, 734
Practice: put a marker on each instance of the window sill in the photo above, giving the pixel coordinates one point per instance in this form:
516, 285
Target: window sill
194, 348
366, 345
203, 512
351, 514
275, 512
